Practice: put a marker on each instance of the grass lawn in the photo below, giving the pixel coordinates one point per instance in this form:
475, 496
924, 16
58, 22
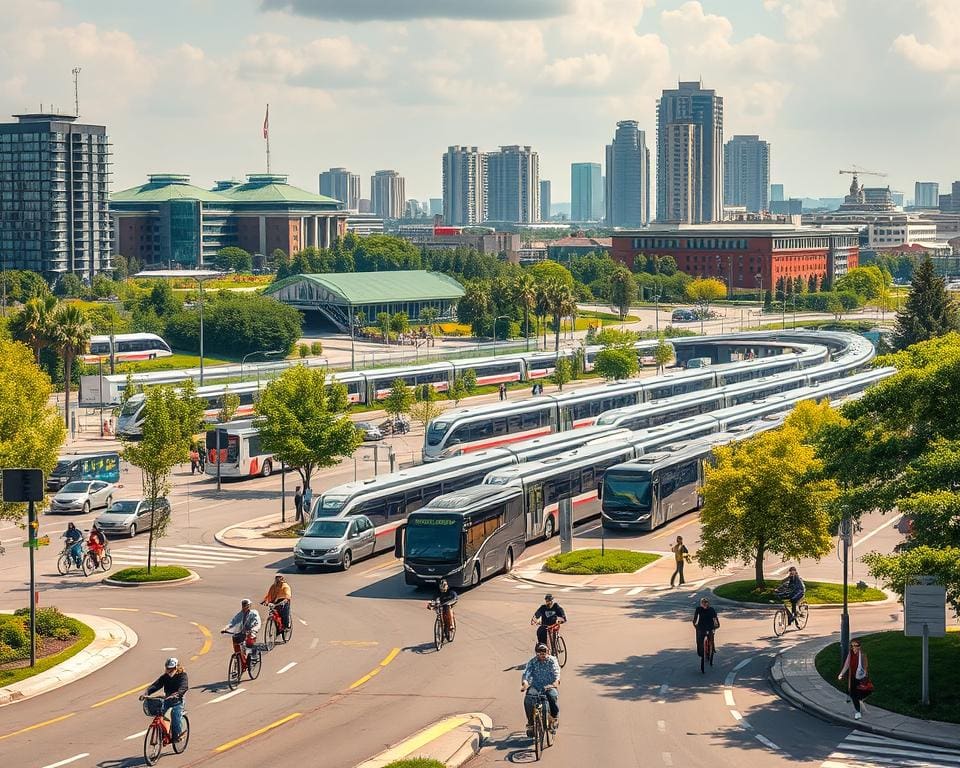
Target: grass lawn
85, 636
818, 592
157, 573
294, 531
605, 318
894, 663
176, 361
587, 561
415, 762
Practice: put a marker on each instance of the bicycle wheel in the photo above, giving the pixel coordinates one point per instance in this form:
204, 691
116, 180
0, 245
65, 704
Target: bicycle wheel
287, 632
780, 622
87, 565
152, 744
548, 734
438, 632
270, 633
703, 655
63, 564
106, 563
560, 650
451, 632
181, 745
253, 665
803, 613
233, 672
538, 736
713, 650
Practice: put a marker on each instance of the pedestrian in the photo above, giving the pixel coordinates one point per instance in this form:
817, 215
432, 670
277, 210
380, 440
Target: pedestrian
307, 500
298, 503
194, 460
503, 391
681, 554
857, 670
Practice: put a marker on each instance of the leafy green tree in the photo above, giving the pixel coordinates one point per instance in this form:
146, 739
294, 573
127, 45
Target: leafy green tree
359, 321
623, 290
425, 407
473, 308
383, 323
399, 400
68, 285
615, 363
546, 271
765, 494
705, 290
457, 391
929, 310
303, 350
429, 316
31, 430
615, 338
470, 380
400, 323
524, 295
302, 423
71, 336
316, 348
170, 421
233, 258
663, 353
130, 388
867, 282
102, 286
229, 403
561, 303
897, 570
106, 319
33, 324
562, 372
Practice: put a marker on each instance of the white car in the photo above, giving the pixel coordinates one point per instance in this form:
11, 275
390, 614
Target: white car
83, 496
369, 431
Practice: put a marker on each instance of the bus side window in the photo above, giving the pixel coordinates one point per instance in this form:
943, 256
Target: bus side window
395, 508
375, 509
586, 479
494, 522
688, 473
253, 445
668, 482
514, 509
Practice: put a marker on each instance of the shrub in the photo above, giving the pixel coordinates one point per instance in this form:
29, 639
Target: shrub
8, 654
470, 379
49, 620
14, 634
303, 350
63, 633
316, 348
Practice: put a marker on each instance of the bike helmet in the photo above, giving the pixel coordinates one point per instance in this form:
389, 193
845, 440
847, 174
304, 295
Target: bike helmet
172, 663
245, 602
548, 598
541, 648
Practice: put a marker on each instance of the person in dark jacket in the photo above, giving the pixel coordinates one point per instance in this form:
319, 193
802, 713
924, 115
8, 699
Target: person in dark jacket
793, 589
175, 685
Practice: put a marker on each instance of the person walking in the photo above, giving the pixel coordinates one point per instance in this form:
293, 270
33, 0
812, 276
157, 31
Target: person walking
298, 503
681, 555
194, 460
857, 670
307, 501
503, 391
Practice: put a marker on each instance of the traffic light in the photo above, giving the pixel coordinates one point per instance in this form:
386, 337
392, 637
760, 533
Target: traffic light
21, 485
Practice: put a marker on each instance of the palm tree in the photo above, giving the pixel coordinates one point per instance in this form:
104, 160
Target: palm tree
71, 335
524, 292
36, 323
541, 307
560, 302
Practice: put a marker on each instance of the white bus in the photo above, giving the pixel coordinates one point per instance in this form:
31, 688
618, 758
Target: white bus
124, 347
130, 421
235, 446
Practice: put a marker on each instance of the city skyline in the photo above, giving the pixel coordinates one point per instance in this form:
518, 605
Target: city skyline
572, 63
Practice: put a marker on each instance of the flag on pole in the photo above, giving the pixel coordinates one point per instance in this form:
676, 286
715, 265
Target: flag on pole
266, 124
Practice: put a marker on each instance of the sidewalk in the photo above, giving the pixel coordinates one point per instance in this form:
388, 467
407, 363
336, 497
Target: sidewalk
452, 741
795, 678
111, 641
250, 534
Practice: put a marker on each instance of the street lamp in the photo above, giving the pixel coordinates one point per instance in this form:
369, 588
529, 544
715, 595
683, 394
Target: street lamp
499, 317
264, 352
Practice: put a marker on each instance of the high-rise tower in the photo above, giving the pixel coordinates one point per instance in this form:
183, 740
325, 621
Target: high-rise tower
627, 184
746, 173
464, 202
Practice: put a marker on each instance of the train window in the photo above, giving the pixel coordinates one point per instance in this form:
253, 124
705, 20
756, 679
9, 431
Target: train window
531, 420
515, 422
499, 426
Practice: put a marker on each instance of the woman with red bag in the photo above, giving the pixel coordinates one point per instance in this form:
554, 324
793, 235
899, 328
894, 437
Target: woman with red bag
859, 684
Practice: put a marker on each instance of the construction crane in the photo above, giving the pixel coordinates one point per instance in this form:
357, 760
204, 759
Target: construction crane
857, 171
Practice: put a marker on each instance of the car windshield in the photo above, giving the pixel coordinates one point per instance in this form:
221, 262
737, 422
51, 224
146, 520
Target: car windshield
123, 507
433, 539
75, 487
626, 491
327, 529
363, 425
436, 432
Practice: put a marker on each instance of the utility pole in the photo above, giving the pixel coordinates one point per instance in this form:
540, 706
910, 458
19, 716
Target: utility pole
846, 532
76, 91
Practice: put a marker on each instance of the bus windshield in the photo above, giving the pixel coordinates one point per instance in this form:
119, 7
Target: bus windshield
626, 491
436, 432
131, 407
330, 505
433, 539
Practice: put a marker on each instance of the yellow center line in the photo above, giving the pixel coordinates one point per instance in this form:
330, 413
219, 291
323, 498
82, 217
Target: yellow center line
168, 615
366, 678
38, 725
130, 610
423, 738
258, 732
390, 657
207, 640
119, 696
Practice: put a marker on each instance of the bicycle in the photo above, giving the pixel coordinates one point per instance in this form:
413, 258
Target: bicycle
780, 622
558, 646
158, 734
274, 627
709, 650
66, 562
439, 635
91, 562
247, 659
543, 733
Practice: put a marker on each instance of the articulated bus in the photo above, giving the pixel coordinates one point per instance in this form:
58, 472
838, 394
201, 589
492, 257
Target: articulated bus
130, 421
235, 446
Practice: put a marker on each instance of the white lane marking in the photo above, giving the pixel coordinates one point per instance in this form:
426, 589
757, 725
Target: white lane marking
728, 698
68, 760
302, 621
314, 643
226, 696
635, 591
223, 550
142, 561
736, 715
766, 742
523, 586
569, 589
877, 739
168, 649
177, 552
135, 735
850, 751
611, 591
667, 758
728, 681
286, 668
742, 664
661, 726
886, 523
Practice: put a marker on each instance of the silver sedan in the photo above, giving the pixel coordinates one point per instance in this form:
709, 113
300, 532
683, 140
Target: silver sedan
83, 496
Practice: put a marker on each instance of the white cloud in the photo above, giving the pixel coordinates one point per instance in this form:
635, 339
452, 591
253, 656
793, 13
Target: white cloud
942, 54
805, 18
591, 69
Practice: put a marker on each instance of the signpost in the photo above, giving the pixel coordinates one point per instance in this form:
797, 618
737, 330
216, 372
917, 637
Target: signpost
566, 524
26, 485
925, 615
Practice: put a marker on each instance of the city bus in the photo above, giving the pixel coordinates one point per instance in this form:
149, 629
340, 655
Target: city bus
125, 347
463, 537
235, 446
130, 421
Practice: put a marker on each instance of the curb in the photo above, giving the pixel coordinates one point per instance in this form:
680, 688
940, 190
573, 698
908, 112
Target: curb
151, 584
221, 537
890, 597
111, 640
458, 739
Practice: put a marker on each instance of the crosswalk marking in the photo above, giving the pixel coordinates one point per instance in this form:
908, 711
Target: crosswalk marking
192, 555
865, 750
569, 589
611, 591
635, 591
524, 586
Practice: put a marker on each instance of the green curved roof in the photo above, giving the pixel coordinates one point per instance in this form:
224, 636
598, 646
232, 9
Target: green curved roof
258, 188
161, 187
272, 188
381, 287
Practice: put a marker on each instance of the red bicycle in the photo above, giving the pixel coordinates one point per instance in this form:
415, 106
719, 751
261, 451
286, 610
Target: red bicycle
709, 649
274, 627
247, 659
558, 646
158, 734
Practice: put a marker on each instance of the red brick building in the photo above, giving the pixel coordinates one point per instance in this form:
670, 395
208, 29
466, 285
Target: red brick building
746, 256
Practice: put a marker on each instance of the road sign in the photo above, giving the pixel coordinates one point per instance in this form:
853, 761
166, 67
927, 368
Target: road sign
925, 604
43, 541
30, 544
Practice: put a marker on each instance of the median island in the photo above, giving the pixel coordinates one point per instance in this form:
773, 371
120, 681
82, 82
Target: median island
157, 573
58, 638
818, 593
415, 762
583, 562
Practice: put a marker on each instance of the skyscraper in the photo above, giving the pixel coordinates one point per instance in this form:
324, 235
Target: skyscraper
341, 185
55, 186
544, 200
926, 194
776, 193
627, 182
387, 194
513, 184
463, 186
586, 192
746, 173
693, 105
682, 180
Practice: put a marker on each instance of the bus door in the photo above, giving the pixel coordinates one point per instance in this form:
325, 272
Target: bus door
534, 510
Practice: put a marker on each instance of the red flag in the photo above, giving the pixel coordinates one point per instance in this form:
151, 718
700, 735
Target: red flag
266, 124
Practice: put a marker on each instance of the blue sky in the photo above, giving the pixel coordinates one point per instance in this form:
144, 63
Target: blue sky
372, 84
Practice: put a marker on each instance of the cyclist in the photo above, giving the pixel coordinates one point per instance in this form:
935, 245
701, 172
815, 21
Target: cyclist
279, 594
547, 615
175, 685
243, 625
74, 539
706, 621
542, 673
446, 598
792, 588
96, 543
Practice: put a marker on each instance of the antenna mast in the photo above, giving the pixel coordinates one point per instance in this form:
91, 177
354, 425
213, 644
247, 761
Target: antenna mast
76, 91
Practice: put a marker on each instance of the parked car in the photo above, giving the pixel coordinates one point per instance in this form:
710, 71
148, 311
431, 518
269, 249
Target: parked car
130, 516
337, 541
83, 496
370, 431
683, 316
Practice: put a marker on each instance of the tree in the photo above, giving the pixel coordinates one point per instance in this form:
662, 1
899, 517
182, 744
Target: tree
229, 403
561, 303
233, 258
428, 316
663, 354
303, 350
614, 337
399, 400
457, 391
705, 290
929, 310
33, 325
31, 430
765, 494
562, 373
896, 571
301, 422
400, 323
316, 348
524, 294
171, 419
867, 282
473, 308
470, 380
623, 290
616, 363
68, 285
546, 271
359, 320
383, 323
425, 407
71, 335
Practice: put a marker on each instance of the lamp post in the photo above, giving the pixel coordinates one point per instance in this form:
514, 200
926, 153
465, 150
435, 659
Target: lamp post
264, 352
846, 532
498, 317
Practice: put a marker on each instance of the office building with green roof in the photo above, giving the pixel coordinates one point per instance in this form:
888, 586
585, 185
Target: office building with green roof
340, 296
170, 221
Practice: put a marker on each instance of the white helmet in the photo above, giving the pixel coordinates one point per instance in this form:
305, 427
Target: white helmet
172, 663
